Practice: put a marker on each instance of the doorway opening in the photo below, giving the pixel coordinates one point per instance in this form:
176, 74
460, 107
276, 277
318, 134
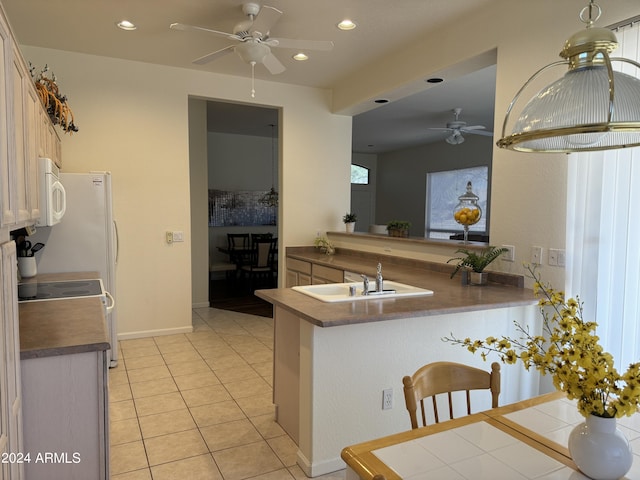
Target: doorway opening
241, 151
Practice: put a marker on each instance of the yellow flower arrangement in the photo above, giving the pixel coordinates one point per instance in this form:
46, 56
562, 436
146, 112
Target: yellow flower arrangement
569, 351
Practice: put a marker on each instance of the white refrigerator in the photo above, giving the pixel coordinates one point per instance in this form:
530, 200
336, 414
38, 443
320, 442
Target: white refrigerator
86, 239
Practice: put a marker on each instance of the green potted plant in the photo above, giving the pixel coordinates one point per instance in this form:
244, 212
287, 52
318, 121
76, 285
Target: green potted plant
398, 228
349, 220
475, 263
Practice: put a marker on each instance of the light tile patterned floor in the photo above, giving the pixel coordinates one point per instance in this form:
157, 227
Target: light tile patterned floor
198, 405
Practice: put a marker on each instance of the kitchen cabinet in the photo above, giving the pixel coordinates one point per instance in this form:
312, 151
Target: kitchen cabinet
11, 434
18, 126
66, 412
64, 348
322, 274
298, 272
7, 216
25, 134
49, 144
32, 109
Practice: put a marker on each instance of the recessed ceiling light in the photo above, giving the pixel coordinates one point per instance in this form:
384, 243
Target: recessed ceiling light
301, 56
126, 25
346, 24
434, 80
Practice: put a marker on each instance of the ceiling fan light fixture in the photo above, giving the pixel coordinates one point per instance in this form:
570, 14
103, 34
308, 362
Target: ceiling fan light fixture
592, 107
455, 138
301, 56
252, 51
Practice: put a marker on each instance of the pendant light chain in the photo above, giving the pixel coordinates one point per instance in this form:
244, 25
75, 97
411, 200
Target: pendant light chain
253, 80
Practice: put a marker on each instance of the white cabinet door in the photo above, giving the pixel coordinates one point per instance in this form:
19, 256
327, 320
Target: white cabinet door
19, 78
11, 435
7, 210
32, 109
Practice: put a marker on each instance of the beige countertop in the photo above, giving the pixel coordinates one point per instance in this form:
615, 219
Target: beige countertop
63, 326
449, 295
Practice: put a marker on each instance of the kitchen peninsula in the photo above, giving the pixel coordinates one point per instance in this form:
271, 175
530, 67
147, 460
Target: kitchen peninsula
333, 360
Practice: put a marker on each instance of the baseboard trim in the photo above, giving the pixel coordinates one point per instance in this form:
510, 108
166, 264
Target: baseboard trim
321, 468
200, 305
154, 333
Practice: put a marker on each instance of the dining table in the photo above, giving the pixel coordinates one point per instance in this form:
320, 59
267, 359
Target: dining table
523, 440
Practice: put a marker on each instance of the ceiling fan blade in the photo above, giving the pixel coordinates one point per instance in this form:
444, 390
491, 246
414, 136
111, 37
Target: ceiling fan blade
183, 27
474, 127
320, 45
265, 20
477, 132
273, 64
213, 55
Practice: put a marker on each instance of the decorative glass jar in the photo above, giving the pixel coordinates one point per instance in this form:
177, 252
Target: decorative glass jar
467, 212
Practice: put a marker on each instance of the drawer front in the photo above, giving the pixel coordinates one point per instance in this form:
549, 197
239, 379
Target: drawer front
299, 266
330, 274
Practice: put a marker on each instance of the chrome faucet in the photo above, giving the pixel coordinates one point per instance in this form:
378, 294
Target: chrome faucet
365, 289
379, 279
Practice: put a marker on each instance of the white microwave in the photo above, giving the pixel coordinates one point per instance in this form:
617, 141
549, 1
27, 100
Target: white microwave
53, 199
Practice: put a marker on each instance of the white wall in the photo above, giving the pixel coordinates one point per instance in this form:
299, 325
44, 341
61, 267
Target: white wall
133, 121
199, 206
240, 162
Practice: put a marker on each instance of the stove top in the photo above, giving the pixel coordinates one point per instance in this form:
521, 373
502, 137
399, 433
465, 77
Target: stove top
29, 292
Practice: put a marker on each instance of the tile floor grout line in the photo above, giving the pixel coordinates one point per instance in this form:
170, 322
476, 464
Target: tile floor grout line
225, 333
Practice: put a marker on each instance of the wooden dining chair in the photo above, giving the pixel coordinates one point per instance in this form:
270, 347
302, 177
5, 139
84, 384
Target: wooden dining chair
260, 265
238, 247
447, 377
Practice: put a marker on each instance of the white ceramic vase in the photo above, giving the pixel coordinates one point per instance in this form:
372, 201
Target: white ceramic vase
600, 449
350, 226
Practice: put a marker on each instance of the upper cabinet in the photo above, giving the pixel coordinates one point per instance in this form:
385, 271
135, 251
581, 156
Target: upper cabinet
26, 133
7, 209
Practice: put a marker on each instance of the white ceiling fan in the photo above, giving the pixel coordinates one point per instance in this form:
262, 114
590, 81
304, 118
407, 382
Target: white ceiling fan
458, 127
253, 41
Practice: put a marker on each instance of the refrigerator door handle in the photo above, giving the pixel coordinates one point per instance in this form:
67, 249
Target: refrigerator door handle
117, 239
111, 301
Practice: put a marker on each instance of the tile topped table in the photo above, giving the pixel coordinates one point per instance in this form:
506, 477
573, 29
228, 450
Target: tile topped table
525, 440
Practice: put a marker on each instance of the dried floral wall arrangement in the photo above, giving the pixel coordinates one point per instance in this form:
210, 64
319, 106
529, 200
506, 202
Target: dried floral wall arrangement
54, 102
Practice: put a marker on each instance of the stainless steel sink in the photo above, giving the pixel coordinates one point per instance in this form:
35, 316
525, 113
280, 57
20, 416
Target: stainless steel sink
339, 292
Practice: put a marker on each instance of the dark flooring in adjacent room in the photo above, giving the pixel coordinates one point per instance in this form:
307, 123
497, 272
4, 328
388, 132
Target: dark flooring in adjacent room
229, 295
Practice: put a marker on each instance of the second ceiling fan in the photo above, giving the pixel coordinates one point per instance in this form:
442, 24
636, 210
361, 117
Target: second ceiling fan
457, 127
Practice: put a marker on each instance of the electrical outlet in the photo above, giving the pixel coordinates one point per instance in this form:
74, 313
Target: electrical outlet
536, 255
510, 254
387, 399
169, 236
553, 257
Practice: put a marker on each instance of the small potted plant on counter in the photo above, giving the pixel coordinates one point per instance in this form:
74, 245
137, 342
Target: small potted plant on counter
349, 220
475, 263
398, 228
